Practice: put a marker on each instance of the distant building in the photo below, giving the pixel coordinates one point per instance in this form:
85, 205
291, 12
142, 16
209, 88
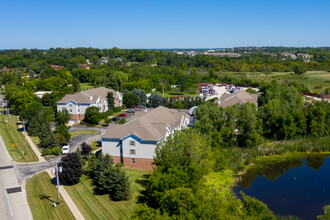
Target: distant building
289, 55
118, 59
76, 104
56, 67
304, 55
40, 94
240, 97
235, 55
134, 143
104, 60
84, 66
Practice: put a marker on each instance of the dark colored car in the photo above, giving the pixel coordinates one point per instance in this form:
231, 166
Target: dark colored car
140, 106
122, 115
115, 118
130, 110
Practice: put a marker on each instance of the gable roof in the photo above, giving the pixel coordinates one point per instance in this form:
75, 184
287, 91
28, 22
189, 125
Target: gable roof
148, 126
240, 96
88, 96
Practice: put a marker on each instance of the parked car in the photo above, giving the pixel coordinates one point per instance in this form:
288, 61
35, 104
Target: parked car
130, 110
140, 106
65, 149
115, 118
122, 115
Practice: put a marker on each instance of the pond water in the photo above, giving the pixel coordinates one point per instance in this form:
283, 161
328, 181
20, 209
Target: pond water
298, 187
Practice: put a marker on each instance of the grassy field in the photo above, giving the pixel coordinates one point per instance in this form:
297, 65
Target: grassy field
75, 133
315, 81
100, 206
84, 86
41, 194
14, 140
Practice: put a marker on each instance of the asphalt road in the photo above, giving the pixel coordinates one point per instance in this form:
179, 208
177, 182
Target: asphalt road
13, 205
88, 138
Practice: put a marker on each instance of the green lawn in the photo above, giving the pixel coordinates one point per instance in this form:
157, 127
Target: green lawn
176, 92
75, 133
41, 195
100, 206
84, 86
36, 142
11, 135
315, 81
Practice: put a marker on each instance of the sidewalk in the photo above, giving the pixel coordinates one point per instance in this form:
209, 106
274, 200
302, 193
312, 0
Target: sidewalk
33, 146
74, 209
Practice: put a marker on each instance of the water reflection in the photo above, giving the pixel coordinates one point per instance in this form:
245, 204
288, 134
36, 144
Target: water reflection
298, 186
273, 169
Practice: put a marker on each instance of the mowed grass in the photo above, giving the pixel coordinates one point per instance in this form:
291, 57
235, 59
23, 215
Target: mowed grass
75, 133
41, 195
11, 135
315, 81
85, 86
100, 206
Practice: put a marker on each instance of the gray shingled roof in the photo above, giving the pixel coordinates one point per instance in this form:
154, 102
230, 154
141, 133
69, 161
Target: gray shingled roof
148, 126
240, 96
84, 96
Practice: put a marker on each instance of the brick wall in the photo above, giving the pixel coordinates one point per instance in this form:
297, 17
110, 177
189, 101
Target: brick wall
140, 163
77, 117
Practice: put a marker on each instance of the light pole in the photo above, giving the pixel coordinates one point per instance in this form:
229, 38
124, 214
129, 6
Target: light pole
24, 122
57, 170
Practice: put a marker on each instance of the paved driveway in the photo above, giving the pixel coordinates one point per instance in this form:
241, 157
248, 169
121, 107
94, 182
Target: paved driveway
88, 138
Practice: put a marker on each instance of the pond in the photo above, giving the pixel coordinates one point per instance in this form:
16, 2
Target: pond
299, 186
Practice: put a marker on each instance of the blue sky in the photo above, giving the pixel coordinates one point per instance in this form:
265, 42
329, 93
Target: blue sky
163, 24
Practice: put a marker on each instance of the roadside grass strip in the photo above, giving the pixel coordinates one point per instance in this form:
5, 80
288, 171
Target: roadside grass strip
94, 206
41, 195
14, 140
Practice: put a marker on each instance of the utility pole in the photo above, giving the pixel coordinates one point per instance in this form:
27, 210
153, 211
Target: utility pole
24, 122
58, 170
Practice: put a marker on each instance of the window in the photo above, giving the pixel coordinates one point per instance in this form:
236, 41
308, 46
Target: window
70, 110
133, 160
132, 152
70, 105
63, 108
78, 110
132, 143
113, 161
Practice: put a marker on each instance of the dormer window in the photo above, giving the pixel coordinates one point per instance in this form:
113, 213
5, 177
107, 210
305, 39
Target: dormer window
70, 105
132, 143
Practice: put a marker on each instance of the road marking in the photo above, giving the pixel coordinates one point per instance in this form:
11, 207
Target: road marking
6, 167
11, 211
14, 190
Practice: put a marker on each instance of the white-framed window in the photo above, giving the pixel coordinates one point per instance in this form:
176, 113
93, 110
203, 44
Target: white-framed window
132, 151
133, 160
78, 110
113, 161
70, 105
131, 143
70, 110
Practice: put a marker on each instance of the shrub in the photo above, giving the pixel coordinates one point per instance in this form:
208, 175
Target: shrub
117, 109
122, 121
107, 120
118, 165
56, 151
47, 151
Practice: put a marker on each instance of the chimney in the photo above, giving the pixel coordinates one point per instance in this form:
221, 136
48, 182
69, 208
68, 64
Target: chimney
91, 97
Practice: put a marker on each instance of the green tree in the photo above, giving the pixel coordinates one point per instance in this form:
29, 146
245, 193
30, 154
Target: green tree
141, 95
299, 69
64, 131
155, 100
182, 81
110, 100
62, 117
130, 100
92, 115
52, 141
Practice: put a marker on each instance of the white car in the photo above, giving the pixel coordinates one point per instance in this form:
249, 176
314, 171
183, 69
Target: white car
65, 149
